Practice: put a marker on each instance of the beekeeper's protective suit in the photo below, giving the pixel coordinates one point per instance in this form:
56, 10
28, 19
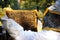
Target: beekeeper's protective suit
18, 33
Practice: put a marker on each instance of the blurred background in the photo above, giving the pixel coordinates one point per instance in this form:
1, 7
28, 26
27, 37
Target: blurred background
27, 4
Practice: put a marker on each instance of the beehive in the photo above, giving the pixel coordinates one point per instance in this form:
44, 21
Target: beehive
26, 18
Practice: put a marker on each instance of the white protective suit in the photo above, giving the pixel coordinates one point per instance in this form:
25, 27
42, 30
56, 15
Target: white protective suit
18, 32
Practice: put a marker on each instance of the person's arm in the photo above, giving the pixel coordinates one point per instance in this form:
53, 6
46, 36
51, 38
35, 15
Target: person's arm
13, 27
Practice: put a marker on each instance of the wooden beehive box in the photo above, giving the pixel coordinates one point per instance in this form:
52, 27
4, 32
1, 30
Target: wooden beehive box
26, 18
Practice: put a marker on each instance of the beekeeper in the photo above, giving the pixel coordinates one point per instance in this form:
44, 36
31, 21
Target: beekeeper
17, 32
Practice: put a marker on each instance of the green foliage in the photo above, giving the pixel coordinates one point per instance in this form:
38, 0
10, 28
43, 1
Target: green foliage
43, 4
4, 3
36, 4
28, 4
14, 4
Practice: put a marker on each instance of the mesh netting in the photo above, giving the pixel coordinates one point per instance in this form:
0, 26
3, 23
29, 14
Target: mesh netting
52, 20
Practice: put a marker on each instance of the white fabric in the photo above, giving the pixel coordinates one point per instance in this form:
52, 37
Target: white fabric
55, 7
18, 33
39, 26
51, 8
